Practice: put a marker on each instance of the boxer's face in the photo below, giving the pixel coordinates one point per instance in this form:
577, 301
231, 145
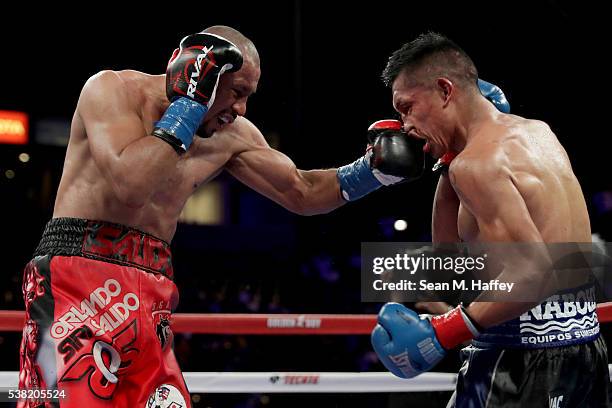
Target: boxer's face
421, 109
231, 99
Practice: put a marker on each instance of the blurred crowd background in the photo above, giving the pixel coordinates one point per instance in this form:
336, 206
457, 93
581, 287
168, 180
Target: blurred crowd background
236, 251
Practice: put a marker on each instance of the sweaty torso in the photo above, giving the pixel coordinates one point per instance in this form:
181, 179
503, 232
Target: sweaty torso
539, 169
84, 192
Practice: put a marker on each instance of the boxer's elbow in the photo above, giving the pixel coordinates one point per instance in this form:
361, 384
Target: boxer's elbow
295, 199
131, 193
304, 199
309, 206
301, 206
133, 186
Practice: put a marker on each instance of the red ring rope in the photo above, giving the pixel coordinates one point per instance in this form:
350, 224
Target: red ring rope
237, 323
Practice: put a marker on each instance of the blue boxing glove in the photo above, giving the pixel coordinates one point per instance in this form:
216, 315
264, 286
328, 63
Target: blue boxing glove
495, 95
409, 344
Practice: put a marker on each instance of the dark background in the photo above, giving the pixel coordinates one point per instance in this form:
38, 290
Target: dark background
319, 91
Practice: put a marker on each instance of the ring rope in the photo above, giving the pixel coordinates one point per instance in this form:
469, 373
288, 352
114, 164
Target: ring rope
265, 324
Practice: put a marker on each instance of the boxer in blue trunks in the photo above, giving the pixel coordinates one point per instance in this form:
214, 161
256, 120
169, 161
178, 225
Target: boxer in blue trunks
507, 180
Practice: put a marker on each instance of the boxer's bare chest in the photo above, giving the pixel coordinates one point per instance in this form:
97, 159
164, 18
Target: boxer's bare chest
204, 161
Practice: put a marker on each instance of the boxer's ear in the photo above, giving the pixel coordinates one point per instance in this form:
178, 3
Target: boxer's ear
446, 89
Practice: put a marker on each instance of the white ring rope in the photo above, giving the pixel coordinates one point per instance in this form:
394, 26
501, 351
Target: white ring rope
298, 382
292, 382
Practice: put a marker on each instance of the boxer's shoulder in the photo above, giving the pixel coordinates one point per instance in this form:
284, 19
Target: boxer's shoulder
244, 127
479, 165
523, 143
473, 166
104, 82
251, 132
498, 152
241, 132
495, 145
116, 87
512, 125
240, 136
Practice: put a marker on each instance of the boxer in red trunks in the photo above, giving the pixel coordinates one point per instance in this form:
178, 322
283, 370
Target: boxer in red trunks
99, 294
98, 300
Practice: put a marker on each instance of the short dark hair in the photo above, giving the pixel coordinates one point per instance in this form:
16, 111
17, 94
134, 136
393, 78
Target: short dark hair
440, 55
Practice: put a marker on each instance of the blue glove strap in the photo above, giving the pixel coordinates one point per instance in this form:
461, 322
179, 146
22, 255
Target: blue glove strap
182, 119
356, 179
494, 94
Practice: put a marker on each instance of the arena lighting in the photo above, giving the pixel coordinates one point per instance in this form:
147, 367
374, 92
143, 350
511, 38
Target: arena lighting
400, 225
13, 127
24, 157
205, 206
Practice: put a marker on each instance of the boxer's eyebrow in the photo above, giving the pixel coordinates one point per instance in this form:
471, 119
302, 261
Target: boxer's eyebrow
249, 91
243, 88
400, 103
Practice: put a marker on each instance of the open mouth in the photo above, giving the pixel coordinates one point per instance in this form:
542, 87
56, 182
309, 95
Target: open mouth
225, 120
426, 146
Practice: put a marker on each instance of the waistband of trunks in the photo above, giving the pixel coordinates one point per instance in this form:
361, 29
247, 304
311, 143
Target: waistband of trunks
108, 242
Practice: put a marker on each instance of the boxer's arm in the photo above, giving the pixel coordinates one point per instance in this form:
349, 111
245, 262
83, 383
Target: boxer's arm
445, 210
486, 189
443, 230
129, 160
274, 175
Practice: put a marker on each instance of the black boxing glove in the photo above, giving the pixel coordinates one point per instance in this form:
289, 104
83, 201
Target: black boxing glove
392, 157
195, 68
192, 78
394, 153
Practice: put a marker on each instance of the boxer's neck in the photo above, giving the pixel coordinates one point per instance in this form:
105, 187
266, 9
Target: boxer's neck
472, 115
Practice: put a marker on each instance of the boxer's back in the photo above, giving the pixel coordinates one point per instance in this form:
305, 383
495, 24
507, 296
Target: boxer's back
85, 191
539, 168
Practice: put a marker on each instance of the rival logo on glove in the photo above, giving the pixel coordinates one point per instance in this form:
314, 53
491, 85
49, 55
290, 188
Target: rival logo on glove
195, 75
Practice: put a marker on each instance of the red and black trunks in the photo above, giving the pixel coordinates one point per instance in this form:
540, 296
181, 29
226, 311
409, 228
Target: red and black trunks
99, 299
